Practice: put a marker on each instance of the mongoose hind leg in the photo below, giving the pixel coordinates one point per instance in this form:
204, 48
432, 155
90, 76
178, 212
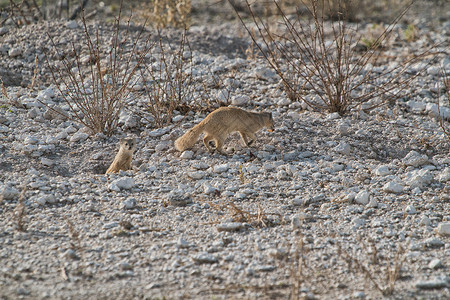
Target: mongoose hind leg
248, 138
244, 138
252, 138
206, 140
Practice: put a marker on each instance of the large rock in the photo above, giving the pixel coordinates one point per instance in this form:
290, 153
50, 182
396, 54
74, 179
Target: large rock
10, 193
415, 159
124, 183
362, 197
443, 229
418, 178
393, 187
445, 175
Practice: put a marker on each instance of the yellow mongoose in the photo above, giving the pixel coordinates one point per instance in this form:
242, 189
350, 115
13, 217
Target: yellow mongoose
223, 121
122, 161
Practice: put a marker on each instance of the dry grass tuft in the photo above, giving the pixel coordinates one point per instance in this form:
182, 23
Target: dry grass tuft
380, 273
163, 13
35, 73
7, 99
241, 175
75, 242
297, 266
20, 212
256, 219
4, 91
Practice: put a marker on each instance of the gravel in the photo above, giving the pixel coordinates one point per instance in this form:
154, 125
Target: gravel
195, 225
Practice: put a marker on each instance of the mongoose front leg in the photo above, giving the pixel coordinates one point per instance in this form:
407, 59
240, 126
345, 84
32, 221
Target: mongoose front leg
219, 145
244, 138
248, 138
252, 138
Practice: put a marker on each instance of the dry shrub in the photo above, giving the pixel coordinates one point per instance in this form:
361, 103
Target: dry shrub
352, 10
318, 61
96, 94
381, 268
25, 12
361, 10
7, 100
303, 273
20, 13
168, 83
172, 85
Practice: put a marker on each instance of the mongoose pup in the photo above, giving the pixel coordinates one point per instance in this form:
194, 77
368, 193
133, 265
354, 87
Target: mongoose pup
221, 123
122, 161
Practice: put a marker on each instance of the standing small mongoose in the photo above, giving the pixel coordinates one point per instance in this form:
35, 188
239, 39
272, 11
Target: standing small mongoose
221, 123
122, 161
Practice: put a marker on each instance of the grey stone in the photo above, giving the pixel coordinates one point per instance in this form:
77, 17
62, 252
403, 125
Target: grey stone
443, 229
362, 197
393, 187
415, 159
205, 258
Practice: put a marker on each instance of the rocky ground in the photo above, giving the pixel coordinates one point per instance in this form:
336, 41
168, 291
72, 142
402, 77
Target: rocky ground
325, 207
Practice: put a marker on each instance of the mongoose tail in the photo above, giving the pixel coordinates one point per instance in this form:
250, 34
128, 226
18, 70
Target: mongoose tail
188, 139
